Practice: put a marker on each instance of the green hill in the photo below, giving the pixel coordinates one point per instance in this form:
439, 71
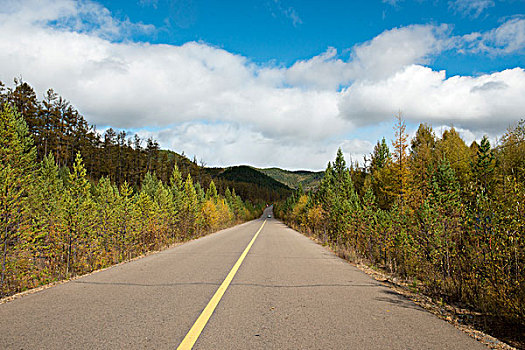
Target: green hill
250, 183
308, 179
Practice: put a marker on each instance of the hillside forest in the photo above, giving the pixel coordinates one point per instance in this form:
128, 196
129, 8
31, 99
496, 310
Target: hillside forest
73, 200
446, 216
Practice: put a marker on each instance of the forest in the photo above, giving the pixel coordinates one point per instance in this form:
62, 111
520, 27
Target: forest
447, 216
73, 200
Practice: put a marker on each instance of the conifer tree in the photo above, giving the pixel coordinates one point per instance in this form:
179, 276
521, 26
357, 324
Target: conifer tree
17, 162
212, 192
445, 207
176, 179
77, 215
452, 147
228, 196
421, 163
177, 194
124, 212
483, 167
106, 201
145, 222
380, 156
150, 185
380, 169
400, 162
189, 208
47, 204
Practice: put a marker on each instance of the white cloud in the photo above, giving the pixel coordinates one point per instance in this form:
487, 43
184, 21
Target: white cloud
215, 143
396, 48
472, 8
68, 15
376, 59
325, 72
487, 102
505, 39
227, 110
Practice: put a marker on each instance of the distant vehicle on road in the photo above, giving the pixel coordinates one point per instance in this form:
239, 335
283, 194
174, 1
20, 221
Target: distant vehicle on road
269, 215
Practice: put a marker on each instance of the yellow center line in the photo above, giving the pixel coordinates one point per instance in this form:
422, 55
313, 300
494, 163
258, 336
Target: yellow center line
195, 331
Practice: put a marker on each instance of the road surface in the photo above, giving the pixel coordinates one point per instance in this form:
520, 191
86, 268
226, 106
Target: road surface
288, 293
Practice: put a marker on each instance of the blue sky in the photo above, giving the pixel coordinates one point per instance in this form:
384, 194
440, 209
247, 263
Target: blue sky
286, 31
273, 82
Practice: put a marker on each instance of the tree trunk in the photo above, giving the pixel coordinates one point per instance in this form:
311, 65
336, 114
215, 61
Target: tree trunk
4, 259
68, 256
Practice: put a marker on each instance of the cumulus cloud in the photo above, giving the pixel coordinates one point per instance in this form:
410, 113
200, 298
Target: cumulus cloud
394, 49
376, 59
228, 110
487, 102
324, 71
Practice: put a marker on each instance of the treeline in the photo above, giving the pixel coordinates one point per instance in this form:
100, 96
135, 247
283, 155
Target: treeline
57, 222
448, 217
59, 129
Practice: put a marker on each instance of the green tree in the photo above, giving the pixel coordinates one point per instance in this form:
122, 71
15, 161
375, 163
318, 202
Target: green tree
17, 163
106, 200
421, 163
47, 204
380, 156
125, 225
212, 192
483, 167
189, 208
452, 147
77, 212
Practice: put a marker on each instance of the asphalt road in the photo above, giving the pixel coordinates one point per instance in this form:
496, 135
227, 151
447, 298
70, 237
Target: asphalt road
289, 293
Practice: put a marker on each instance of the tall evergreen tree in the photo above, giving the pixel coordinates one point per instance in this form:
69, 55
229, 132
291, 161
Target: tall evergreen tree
400, 165
17, 163
76, 213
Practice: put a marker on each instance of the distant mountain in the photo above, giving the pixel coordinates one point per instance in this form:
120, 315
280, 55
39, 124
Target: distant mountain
250, 183
308, 179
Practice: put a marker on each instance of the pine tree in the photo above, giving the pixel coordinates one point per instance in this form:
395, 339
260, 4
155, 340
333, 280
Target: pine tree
189, 208
400, 162
125, 229
106, 202
49, 121
47, 204
146, 224
17, 162
212, 192
76, 213
228, 196
177, 194
452, 147
380, 171
380, 156
421, 163
150, 185
483, 167
445, 206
